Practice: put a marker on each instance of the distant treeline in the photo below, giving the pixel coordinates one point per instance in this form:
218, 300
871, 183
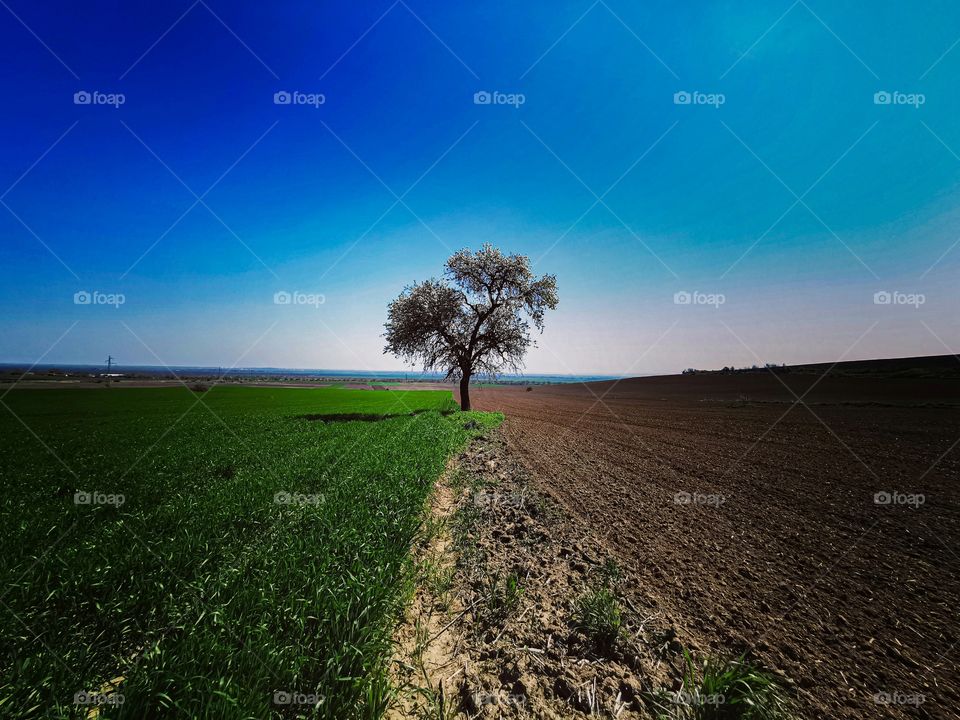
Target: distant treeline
933, 366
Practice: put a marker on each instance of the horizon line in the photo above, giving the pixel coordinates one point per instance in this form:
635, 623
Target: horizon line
612, 376
303, 369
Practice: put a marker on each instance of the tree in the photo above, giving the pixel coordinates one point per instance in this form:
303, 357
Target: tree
476, 319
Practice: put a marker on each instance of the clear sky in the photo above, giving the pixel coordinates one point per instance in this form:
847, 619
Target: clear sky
786, 188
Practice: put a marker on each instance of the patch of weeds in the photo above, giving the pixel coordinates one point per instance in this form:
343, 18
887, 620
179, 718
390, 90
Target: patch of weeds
437, 706
610, 573
502, 596
436, 575
433, 528
597, 615
465, 522
468, 483
724, 690
457, 479
472, 563
463, 532
421, 640
469, 514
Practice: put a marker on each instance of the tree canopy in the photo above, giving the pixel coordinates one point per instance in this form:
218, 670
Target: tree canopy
476, 319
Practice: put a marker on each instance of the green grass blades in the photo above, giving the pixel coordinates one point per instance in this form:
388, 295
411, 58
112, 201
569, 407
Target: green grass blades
726, 690
597, 614
210, 554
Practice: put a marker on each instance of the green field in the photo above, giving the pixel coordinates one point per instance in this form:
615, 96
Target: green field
207, 551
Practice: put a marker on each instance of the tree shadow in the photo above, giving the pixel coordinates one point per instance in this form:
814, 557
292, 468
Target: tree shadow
364, 417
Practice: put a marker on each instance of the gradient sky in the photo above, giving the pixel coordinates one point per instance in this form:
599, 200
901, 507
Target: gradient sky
797, 199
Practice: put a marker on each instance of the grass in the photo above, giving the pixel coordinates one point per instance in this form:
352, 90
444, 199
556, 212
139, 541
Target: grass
436, 574
256, 556
597, 615
502, 596
610, 573
725, 690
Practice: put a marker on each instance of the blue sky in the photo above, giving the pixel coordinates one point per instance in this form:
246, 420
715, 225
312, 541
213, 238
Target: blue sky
783, 198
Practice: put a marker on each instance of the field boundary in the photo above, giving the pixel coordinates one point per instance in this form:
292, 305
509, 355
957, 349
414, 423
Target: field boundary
520, 611
426, 638
490, 630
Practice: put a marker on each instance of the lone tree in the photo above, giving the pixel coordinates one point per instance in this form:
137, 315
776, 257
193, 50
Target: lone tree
473, 320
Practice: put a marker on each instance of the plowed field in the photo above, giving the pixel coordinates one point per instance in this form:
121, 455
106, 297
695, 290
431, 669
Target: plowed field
822, 537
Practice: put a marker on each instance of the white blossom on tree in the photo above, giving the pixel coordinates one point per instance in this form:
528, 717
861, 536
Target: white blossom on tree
475, 320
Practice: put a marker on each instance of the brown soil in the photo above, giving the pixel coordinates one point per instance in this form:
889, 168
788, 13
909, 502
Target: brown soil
427, 644
484, 647
777, 547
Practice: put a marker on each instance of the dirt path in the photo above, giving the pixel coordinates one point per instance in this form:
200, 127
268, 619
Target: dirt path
498, 637
754, 523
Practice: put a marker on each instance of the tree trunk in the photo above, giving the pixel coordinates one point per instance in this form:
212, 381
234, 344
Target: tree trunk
465, 392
